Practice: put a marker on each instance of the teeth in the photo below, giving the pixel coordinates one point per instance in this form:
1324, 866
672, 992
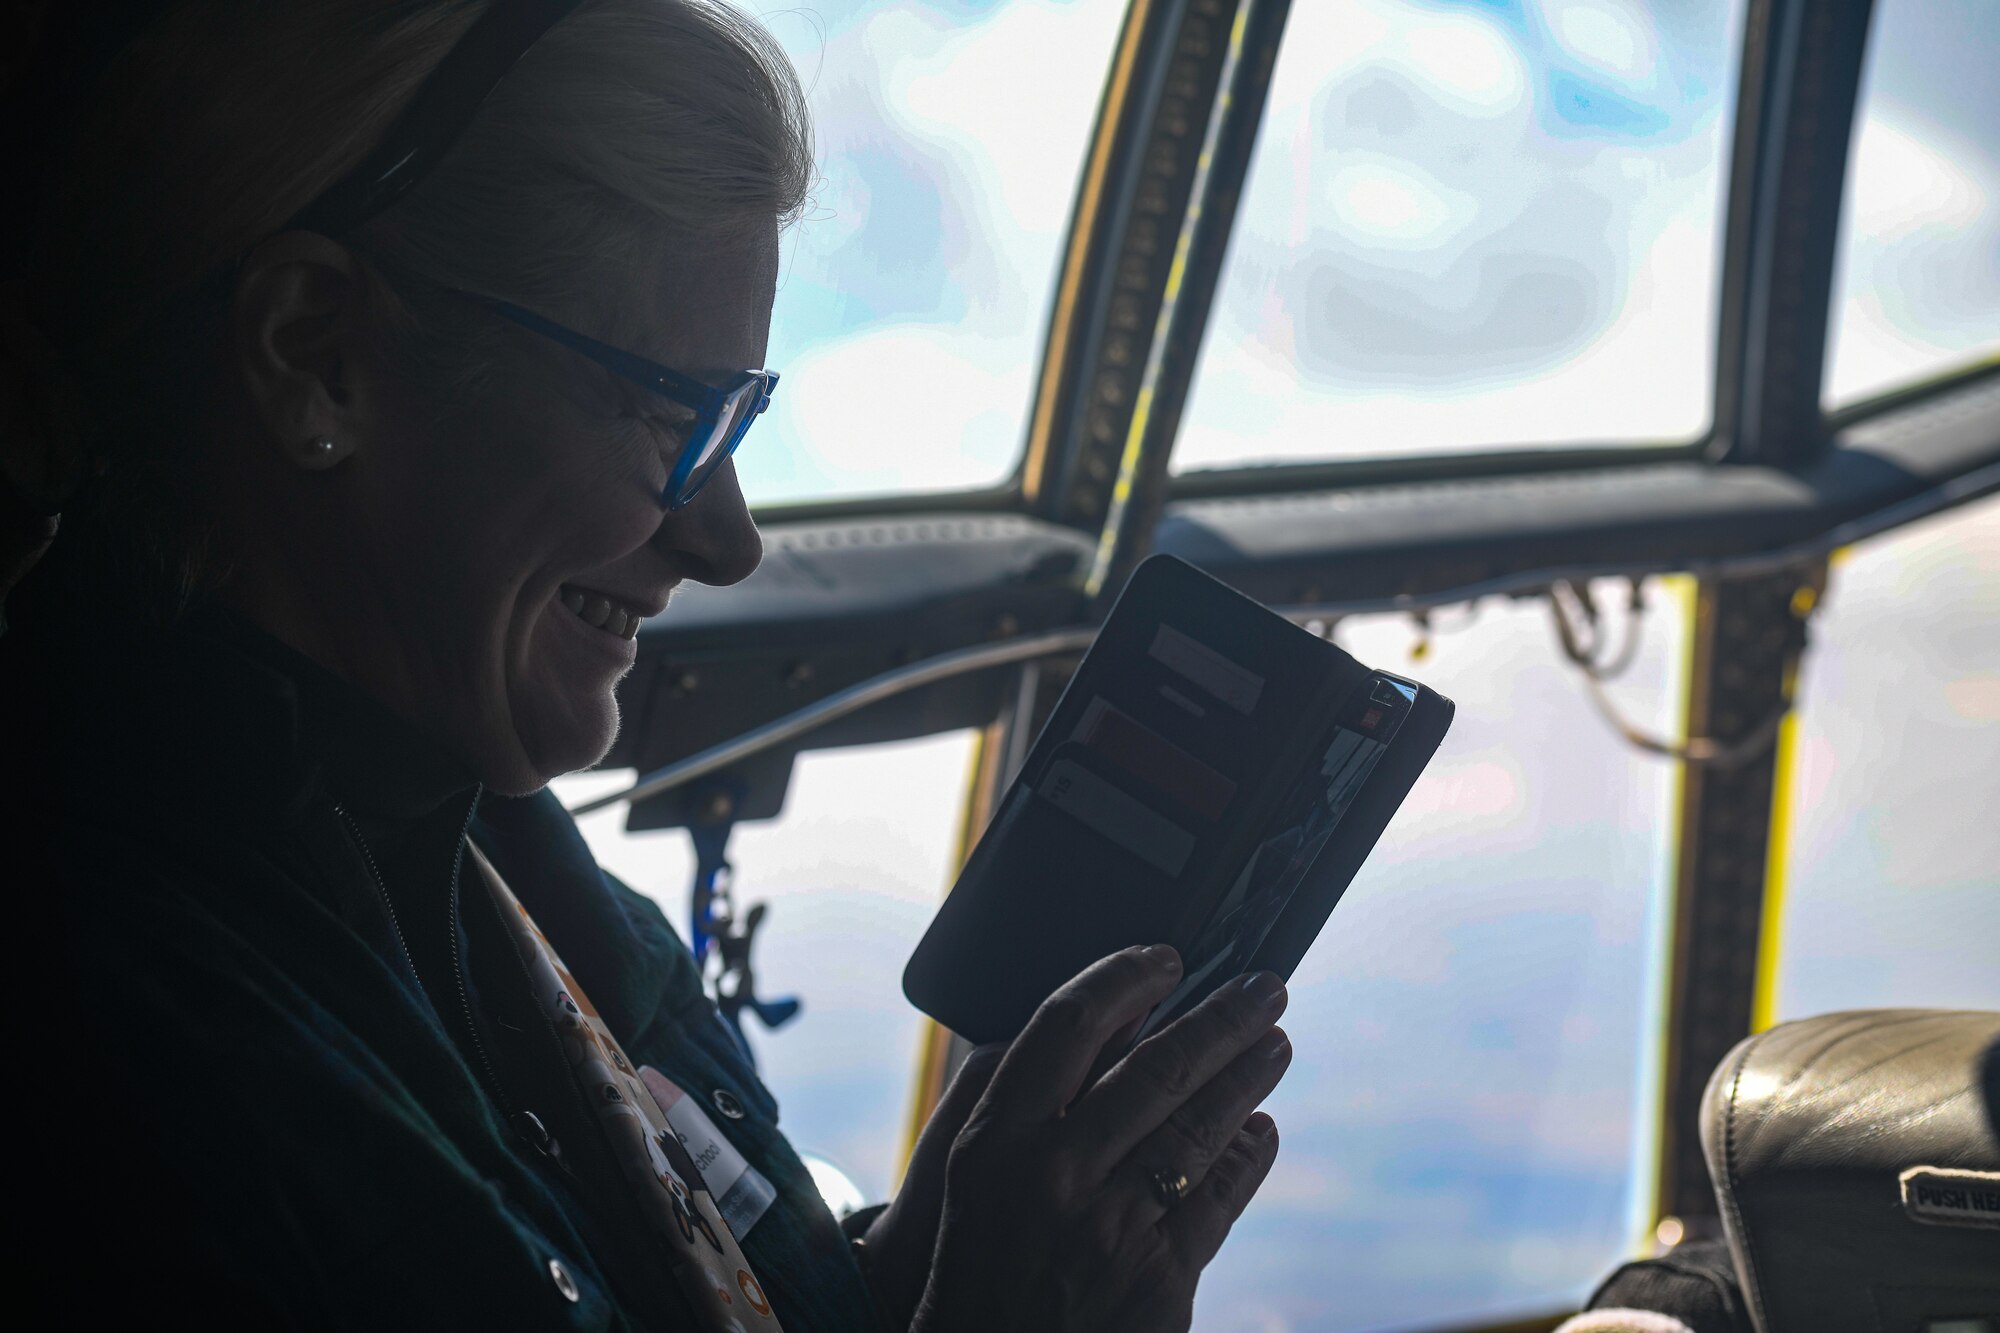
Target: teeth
600, 611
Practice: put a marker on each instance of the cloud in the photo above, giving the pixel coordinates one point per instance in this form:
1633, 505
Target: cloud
912, 406
1900, 183
1608, 38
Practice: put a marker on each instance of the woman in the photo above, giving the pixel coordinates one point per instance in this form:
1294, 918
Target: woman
411, 340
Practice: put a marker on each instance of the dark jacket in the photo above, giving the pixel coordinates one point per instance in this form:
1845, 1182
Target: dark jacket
261, 1107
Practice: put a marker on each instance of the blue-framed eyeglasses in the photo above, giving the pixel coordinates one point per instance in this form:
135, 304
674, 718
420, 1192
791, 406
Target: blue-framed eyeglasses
441, 109
722, 414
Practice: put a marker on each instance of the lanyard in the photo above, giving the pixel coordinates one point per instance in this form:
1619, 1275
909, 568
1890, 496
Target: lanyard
700, 1248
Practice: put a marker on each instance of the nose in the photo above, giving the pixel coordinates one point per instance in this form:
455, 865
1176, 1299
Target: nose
714, 539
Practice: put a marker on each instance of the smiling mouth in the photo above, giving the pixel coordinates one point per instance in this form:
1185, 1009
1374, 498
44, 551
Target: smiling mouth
619, 619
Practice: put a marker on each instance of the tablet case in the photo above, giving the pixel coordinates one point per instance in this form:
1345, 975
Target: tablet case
1212, 777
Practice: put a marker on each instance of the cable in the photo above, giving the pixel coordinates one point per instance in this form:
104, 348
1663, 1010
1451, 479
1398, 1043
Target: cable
1705, 751
1050, 643
1570, 637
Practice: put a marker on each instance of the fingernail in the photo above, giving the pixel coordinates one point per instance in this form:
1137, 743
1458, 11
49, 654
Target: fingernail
1273, 1044
1266, 990
1163, 955
1263, 1126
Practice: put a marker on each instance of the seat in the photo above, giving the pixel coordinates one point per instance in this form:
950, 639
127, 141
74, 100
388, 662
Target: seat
1856, 1161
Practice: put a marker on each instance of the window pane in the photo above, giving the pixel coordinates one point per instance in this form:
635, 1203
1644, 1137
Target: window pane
1474, 225
1468, 1124
913, 297
1917, 278
852, 871
1893, 882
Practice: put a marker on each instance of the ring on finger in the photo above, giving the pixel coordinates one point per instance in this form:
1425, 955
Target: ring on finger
1169, 1186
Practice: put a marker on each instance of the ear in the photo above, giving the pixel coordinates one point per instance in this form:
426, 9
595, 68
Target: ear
302, 327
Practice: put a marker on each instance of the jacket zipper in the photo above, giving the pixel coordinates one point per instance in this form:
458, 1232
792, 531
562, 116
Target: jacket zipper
485, 1063
458, 975
381, 889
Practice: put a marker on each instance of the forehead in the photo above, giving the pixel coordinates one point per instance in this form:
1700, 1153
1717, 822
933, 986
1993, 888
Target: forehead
696, 306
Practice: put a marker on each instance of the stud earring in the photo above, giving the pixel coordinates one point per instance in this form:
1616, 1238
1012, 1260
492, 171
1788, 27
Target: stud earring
321, 451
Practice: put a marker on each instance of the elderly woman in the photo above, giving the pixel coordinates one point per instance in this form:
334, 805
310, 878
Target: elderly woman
408, 342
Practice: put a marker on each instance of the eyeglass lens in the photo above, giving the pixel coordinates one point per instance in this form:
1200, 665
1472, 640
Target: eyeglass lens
738, 410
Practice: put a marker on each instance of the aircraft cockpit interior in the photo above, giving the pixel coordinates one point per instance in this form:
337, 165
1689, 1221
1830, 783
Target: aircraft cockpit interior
1627, 373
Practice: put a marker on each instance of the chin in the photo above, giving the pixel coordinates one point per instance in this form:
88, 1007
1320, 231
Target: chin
558, 712
559, 737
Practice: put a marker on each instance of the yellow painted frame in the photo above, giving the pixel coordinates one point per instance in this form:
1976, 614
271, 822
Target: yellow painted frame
1089, 207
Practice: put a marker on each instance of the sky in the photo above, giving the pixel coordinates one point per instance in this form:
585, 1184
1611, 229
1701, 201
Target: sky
1466, 225
1917, 280
914, 295
1893, 881
1473, 225
1490, 222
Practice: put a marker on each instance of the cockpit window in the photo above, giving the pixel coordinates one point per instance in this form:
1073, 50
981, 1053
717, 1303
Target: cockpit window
914, 295
1485, 1021
1887, 892
1474, 226
1917, 276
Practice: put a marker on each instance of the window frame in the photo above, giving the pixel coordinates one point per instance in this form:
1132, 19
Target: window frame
1799, 72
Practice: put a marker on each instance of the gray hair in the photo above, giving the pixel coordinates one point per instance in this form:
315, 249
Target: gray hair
614, 142
629, 122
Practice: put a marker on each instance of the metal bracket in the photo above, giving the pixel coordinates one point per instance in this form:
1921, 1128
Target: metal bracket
715, 930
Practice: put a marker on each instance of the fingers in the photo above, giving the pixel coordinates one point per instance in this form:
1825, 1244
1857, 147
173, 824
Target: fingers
1047, 1063
1199, 1224
902, 1240
1196, 1136
1161, 1077
975, 1072
1114, 1050
922, 1190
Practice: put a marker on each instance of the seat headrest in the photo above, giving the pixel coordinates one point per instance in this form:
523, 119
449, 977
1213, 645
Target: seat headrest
1858, 1172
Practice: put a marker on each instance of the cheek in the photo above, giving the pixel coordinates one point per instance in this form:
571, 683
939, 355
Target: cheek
583, 502
599, 511
557, 679
558, 495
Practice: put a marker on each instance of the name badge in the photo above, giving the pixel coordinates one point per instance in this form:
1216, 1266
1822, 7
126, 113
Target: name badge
740, 1191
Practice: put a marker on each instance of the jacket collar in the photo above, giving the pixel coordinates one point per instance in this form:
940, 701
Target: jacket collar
213, 712
370, 759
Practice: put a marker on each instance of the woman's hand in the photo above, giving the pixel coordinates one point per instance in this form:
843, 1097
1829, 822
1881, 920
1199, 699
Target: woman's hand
1054, 1214
896, 1258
